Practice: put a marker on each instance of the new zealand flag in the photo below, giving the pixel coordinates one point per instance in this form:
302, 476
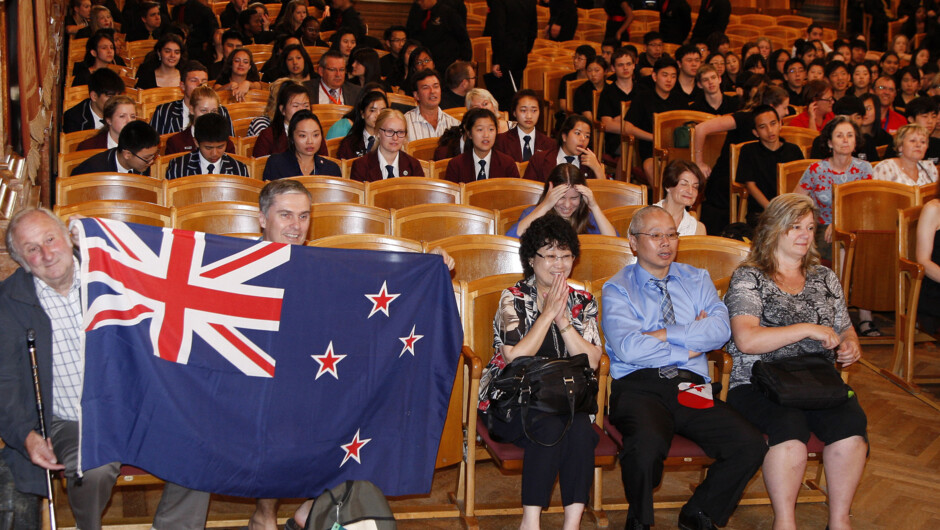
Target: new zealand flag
260, 369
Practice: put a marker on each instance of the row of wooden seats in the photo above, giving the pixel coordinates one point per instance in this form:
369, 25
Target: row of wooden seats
491, 194
15, 185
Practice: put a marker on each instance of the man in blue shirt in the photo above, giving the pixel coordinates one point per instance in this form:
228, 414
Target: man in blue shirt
660, 319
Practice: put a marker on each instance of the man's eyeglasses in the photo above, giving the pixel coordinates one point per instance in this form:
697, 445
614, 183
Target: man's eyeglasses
393, 134
672, 236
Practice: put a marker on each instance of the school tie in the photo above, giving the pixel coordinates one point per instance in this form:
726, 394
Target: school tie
482, 174
569, 159
370, 143
526, 150
210, 169
391, 171
665, 302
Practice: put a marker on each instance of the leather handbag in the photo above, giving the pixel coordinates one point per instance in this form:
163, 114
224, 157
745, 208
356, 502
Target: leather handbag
809, 382
562, 386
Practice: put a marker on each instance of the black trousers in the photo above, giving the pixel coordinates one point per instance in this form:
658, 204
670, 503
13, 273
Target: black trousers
646, 410
571, 459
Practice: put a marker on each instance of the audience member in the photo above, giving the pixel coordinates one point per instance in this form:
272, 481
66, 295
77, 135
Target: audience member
171, 117
909, 166
304, 140
524, 140
757, 162
331, 86
657, 339
566, 195
427, 120
291, 98
437, 26
118, 112
361, 137
613, 96
136, 151
682, 181
675, 20
386, 159
209, 158
103, 84
203, 100
161, 67
481, 161
460, 78
574, 137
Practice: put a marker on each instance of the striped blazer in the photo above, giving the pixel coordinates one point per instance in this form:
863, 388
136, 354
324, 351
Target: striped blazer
168, 118
78, 118
188, 164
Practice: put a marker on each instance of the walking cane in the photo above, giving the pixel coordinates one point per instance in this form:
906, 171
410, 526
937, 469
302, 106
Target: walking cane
31, 346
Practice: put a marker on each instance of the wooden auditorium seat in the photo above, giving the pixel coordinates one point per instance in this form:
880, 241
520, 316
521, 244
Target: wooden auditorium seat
429, 222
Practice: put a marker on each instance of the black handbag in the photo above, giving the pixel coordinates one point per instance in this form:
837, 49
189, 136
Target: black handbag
562, 386
809, 382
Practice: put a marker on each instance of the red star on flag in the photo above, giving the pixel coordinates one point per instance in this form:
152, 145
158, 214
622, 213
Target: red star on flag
328, 362
381, 300
353, 447
410, 341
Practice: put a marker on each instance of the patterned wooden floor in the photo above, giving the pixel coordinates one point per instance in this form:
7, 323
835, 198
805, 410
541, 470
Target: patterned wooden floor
900, 488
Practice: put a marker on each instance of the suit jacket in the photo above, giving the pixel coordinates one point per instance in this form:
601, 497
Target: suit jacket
462, 169
542, 163
676, 21
508, 143
366, 168
713, 16
285, 165
183, 141
350, 95
98, 141
202, 23
513, 27
20, 310
104, 162
188, 164
352, 146
266, 144
78, 118
168, 118
444, 33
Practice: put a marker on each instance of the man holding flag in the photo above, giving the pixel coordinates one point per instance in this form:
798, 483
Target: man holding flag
43, 295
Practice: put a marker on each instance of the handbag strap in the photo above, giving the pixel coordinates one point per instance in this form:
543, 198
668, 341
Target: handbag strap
524, 402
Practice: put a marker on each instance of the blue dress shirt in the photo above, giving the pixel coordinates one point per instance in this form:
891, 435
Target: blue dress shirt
632, 307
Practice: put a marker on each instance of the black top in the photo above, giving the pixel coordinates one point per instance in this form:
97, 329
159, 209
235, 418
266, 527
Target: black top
713, 16
728, 105
285, 165
758, 164
716, 190
449, 100
609, 104
584, 98
675, 21
641, 116
563, 85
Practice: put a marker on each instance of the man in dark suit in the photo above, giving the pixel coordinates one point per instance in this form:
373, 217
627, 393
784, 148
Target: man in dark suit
151, 26
713, 16
526, 109
175, 116
211, 134
43, 296
331, 86
439, 28
137, 149
513, 27
103, 84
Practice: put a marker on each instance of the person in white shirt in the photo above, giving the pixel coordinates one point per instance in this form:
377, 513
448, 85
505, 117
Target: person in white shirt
427, 120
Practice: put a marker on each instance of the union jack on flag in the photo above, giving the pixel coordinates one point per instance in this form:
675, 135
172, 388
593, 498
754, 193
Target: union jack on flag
264, 370
181, 296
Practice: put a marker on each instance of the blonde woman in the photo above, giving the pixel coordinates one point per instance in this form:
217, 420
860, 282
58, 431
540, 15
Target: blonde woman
482, 99
909, 166
203, 101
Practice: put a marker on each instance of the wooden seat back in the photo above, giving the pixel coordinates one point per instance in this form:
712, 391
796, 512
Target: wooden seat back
198, 189
336, 218
601, 257
430, 222
332, 189
478, 256
108, 186
790, 173
127, 211
369, 242
221, 218
502, 193
720, 256
402, 192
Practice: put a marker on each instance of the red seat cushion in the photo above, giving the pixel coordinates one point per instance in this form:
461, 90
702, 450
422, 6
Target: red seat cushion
131, 470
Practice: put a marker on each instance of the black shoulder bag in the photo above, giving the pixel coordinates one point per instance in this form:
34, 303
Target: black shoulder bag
562, 386
809, 382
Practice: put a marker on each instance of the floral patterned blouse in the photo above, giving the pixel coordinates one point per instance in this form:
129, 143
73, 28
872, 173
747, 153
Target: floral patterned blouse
820, 179
891, 171
518, 311
754, 293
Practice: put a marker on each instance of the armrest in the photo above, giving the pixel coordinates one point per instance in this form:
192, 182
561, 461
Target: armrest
844, 268
723, 361
916, 270
473, 362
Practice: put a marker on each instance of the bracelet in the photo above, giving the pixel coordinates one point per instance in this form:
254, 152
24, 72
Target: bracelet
566, 328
